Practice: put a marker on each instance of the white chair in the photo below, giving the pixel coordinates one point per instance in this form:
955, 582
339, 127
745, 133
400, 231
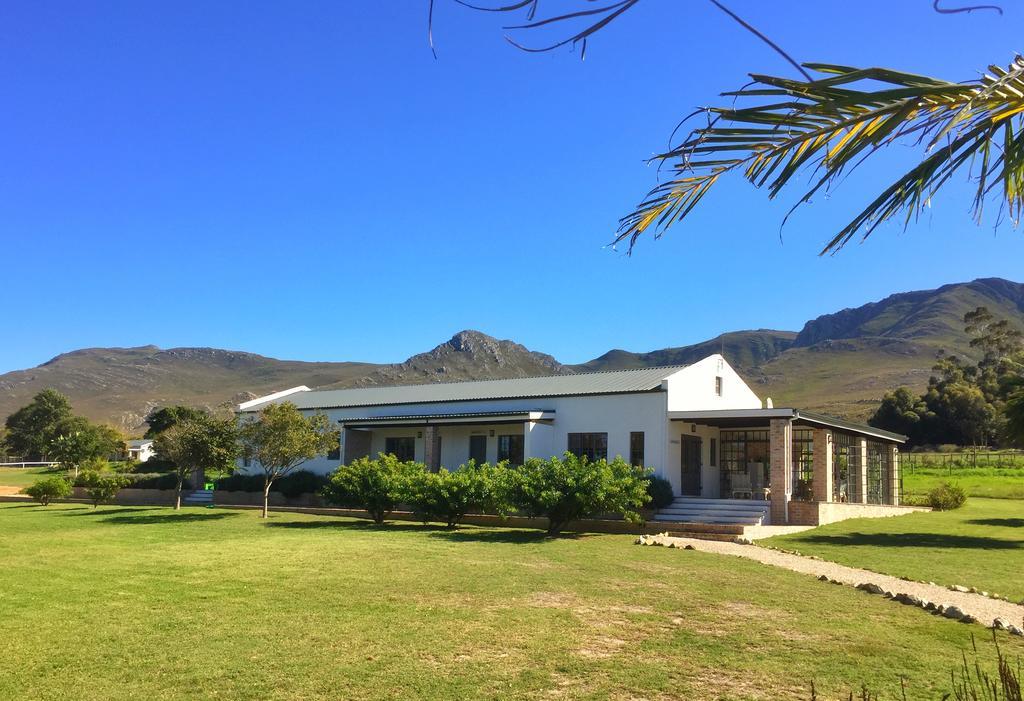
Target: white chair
740, 485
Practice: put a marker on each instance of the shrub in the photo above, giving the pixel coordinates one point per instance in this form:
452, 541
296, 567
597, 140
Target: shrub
240, 483
99, 487
301, 482
947, 497
573, 488
375, 485
449, 496
49, 488
659, 490
157, 480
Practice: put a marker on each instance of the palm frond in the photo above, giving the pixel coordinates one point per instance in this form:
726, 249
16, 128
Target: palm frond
831, 124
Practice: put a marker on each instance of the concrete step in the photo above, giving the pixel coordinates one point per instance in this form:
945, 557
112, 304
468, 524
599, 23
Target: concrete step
702, 518
199, 497
690, 508
722, 503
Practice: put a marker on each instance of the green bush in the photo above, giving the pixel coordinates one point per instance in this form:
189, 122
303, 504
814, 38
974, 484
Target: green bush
156, 480
659, 490
100, 487
946, 497
49, 488
572, 488
449, 496
375, 485
293, 485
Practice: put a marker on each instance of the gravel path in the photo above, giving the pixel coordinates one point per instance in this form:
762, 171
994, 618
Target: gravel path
983, 608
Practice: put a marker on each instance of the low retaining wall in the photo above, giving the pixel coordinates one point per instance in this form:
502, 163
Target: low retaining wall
819, 513
275, 499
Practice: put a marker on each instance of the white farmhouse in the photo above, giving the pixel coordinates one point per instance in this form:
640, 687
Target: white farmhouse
141, 449
698, 426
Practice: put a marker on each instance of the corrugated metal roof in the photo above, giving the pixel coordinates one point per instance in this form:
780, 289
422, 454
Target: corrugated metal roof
614, 382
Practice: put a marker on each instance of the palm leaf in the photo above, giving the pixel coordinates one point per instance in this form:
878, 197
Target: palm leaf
830, 124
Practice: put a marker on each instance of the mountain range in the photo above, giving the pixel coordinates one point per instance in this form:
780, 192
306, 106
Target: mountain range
839, 363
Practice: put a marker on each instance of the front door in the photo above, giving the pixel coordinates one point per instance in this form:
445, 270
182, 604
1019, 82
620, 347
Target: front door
690, 465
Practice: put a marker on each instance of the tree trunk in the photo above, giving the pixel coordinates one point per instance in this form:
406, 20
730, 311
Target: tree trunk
177, 494
266, 496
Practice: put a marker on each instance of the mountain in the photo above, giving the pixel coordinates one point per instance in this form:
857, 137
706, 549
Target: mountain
839, 363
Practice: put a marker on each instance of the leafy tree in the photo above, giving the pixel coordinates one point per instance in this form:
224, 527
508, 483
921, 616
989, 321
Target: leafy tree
377, 485
449, 496
159, 420
280, 439
49, 488
572, 488
817, 127
78, 440
204, 442
32, 428
100, 487
901, 412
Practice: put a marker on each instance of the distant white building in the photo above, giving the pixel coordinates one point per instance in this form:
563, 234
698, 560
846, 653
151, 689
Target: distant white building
698, 426
140, 450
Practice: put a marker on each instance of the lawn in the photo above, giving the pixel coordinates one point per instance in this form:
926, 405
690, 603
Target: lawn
133, 602
980, 545
994, 482
24, 476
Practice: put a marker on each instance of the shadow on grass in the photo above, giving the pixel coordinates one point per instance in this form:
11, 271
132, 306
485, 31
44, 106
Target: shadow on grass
463, 534
158, 519
88, 510
915, 540
1005, 522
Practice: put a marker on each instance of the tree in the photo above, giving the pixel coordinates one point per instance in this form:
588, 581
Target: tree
280, 439
101, 488
77, 440
160, 420
571, 488
31, 429
901, 412
823, 124
202, 442
449, 496
376, 485
49, 488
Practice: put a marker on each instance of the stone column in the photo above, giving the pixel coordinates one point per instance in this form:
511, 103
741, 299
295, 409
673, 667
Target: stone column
893, 488
432, 448
822, 465
862, 471
780, 442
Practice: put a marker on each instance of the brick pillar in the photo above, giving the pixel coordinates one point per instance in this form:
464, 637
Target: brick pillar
822, 465
862, 471
432, 448
893, 488
780, 441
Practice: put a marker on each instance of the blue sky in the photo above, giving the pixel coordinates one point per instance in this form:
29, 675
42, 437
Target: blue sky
303, 180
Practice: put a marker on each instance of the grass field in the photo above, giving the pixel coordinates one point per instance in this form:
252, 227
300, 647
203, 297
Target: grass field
24, 476
992, 482
133, 602
980, 545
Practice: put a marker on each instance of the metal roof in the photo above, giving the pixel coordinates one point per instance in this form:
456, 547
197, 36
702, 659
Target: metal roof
455, 418
614, 382
740, 418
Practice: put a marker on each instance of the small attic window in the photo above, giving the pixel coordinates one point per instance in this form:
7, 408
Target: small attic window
718, 385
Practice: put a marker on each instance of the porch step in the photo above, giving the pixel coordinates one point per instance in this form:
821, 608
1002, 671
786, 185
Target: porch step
744, 512
704, 535
199, 497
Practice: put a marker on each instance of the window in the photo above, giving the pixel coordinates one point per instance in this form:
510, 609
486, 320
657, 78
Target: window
335, 452
593, 446
713, 453
718, 385
744, 453
803, 464
636, 448
510, 448
478, 449
402, 447
247, 462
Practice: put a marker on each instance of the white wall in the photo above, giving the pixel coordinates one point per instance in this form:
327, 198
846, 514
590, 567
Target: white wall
693, 388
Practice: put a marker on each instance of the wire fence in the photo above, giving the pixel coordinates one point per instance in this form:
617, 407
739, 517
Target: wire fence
974, 459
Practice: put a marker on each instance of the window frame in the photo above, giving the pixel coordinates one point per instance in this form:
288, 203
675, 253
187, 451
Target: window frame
636, 452
389, 444
592, 445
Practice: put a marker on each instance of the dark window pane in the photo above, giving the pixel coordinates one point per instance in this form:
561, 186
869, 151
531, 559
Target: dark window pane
636, 448
402, 447
478, 449
510, 448
593, 446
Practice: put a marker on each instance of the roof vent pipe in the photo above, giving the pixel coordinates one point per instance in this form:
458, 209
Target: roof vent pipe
768, 403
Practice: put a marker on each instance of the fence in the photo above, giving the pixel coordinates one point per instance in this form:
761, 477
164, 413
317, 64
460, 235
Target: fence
24, 463
951, 462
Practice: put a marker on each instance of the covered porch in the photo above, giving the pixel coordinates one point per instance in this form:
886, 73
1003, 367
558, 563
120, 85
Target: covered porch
807, 468
449, 440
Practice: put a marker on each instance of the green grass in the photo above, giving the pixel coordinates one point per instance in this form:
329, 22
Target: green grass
980, 545
136, 602
991, 482
24, 476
